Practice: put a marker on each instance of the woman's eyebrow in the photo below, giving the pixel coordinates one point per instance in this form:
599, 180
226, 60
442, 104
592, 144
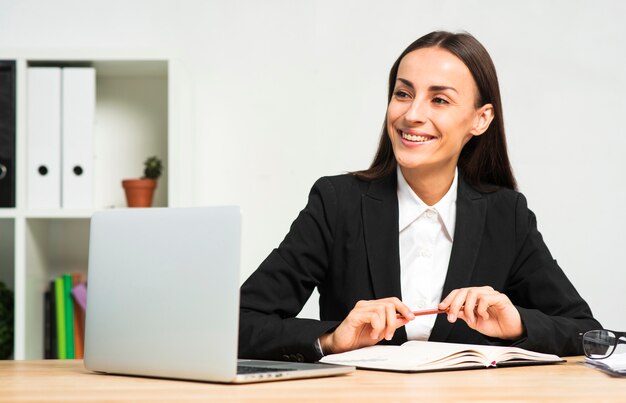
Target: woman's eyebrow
441, 88
432, 88
406, 82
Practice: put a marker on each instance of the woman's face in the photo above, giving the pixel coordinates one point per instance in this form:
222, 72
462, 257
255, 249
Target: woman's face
432, 113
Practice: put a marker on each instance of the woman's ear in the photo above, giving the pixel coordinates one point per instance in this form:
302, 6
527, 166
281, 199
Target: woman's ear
484, 116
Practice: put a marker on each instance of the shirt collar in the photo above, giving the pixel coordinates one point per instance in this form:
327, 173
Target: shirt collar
410, 206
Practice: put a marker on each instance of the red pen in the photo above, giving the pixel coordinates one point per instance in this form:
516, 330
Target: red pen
432, 311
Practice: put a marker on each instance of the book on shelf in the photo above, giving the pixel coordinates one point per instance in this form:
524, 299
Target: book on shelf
69, 316
423, 356
64, 317
50, 327
59, 297
78, 300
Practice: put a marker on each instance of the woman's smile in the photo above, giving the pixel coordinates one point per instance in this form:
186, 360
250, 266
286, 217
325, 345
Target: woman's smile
412, 138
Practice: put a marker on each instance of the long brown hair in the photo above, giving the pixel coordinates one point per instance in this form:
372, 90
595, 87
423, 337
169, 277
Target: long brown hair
484, 161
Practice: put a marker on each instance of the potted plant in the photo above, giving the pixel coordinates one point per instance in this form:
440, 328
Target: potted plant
139, 192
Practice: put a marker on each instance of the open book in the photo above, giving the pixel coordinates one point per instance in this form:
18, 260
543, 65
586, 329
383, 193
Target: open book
419, 356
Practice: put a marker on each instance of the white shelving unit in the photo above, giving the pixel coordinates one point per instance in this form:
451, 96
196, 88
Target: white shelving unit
140, 103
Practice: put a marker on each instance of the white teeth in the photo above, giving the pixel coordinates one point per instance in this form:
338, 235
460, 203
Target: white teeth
415, 138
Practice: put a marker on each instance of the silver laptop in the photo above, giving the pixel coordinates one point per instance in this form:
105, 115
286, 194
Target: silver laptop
163, 298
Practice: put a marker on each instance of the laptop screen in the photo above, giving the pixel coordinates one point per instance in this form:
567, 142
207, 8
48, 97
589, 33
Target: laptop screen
163, 292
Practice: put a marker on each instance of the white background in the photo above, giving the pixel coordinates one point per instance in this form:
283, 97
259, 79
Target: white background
283, 92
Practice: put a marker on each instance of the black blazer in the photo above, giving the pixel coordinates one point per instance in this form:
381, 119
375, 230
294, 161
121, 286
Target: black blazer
345, 243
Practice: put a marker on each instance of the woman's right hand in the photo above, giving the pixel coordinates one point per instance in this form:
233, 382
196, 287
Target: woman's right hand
367, 323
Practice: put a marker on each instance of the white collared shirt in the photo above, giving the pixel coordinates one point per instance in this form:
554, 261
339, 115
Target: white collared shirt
426, 234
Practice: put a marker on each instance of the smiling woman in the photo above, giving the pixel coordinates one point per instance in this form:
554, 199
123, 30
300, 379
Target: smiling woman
461, 58
435, 222
431, 116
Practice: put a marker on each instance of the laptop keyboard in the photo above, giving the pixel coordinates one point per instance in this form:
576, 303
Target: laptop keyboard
246, 369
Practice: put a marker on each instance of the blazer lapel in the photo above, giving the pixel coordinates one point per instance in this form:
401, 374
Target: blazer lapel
380, 223
380, 227
471, 210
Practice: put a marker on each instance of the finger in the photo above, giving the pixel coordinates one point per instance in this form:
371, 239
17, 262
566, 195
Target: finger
494, 301
469, 305
400, 307
404, 310
376, 324
456, 304
360, 315
401, 321
390, 319
445, 304
483, 306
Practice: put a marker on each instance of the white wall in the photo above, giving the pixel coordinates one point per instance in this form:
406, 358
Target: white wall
286, 91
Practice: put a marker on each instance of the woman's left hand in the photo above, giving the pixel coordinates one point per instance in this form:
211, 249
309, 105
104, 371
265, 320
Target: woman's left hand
484, 310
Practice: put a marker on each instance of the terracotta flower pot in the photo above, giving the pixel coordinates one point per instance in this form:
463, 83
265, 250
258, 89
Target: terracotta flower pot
139, 192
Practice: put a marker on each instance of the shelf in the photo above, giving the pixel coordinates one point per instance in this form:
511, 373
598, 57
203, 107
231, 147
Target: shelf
133, 120
53, 247
8, 213
59, 214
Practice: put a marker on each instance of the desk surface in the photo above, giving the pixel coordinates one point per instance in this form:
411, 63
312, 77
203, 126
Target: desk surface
55, 380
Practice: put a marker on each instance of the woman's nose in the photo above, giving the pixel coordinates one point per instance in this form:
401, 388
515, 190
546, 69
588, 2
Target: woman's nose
416, 111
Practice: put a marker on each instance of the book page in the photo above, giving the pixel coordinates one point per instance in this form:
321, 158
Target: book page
427, 356
411, 356
492, 354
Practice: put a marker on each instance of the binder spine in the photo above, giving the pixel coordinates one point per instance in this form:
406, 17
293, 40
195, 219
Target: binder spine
78, 109
7, 133
44, 137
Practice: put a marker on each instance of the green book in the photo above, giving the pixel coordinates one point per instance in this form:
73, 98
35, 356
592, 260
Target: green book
60, 314
69, 316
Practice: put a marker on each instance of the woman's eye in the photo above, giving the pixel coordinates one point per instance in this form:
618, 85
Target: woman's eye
439, 100
401, 94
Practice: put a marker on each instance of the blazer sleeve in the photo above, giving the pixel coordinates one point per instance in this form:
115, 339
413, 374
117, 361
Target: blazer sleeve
552, 311
276, 292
